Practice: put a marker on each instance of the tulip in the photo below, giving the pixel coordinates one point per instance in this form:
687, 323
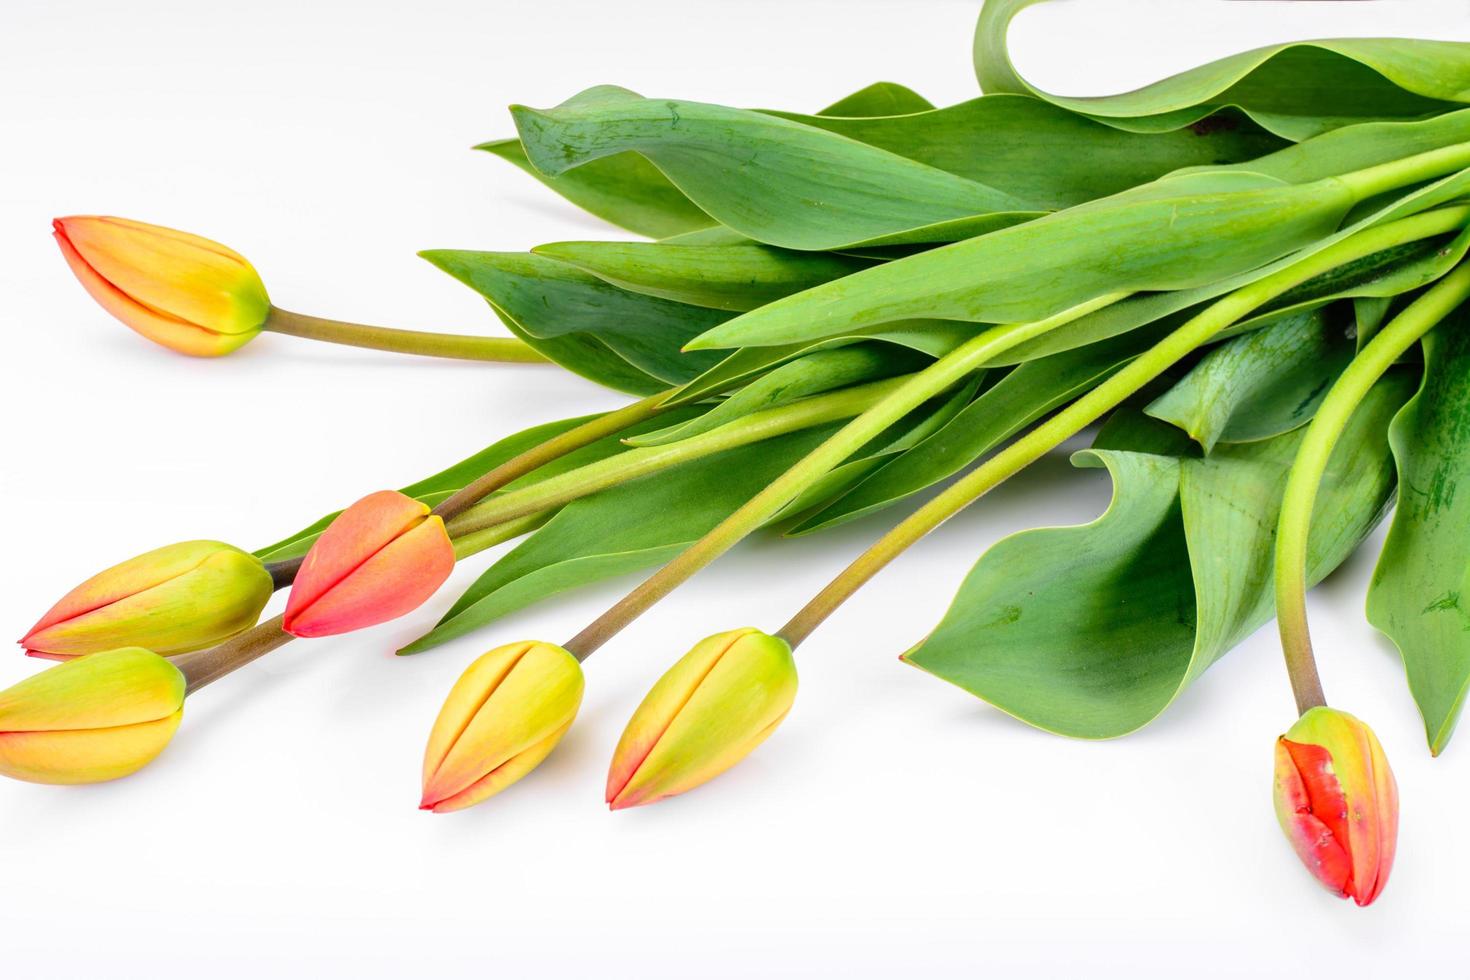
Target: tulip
502, 717
1337, 802
172, 600
382, 557
91, 719
187, 293
721, 700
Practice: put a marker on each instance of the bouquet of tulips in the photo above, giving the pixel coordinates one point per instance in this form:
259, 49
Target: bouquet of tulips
1249, 277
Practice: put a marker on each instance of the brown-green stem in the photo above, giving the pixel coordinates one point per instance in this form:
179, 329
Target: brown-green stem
464, 347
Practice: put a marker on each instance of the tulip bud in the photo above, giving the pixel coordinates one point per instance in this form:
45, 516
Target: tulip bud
187, 293
382, 557
502, 717
172, 600
720, 701
1337, 802
91, 719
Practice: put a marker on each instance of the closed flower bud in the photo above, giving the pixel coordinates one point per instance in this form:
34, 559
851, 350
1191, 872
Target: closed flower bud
91, 719
1337, 802
502, 717
172, 600
187, 293
720, 701
381, 558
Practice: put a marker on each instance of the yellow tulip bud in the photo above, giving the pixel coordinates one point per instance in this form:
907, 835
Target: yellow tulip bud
172, 600
91, 719
503, 716
720, 701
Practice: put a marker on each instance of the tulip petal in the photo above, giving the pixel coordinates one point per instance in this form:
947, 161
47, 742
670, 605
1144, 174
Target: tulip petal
86, 755
102, 690
1313, 838
500, 777
181, 276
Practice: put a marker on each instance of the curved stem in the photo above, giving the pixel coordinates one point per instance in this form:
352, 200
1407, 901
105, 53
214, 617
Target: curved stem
552, 449
913, 392
462, 347
1106, 396
642, 461
1293, 527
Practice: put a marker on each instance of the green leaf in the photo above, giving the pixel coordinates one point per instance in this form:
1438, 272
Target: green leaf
880, 99
1420, 596
552, 304
620, 530
1259, 385
1092, 631
771, 179
1295, 90
722, 277
1049, 157
624, 189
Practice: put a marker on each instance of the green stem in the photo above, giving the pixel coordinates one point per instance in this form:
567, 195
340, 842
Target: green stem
552, 449
474, 542
1294, 525
633, 463
1395, 174
462, 347
910, 394
1106, 396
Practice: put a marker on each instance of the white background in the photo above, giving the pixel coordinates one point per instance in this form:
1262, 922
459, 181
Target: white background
894, 824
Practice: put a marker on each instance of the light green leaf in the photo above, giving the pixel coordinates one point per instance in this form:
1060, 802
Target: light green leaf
1420, 596
1092, 631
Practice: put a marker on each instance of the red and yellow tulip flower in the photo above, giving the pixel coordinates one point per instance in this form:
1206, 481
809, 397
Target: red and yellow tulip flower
721, 700
171, 600
1337, 802
502, 718
187, 293
91, 719
381, 558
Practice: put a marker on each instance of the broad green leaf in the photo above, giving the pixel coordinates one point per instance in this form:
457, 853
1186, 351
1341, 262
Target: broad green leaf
1023, 396
771, 179
1261, 384
549, 301
620, 530
1045, 155
624, 189
1295, 90
723, 277
1092, 631
807, 375
1420, 596
879, 99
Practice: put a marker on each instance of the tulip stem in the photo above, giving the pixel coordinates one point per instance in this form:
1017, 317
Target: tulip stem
207, 667
284, 572
457, 346
552, 449
1106, 396
912, 392
1294, 524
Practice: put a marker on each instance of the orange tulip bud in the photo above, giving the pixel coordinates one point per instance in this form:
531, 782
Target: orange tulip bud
381, 558
1338, 803
187, 293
